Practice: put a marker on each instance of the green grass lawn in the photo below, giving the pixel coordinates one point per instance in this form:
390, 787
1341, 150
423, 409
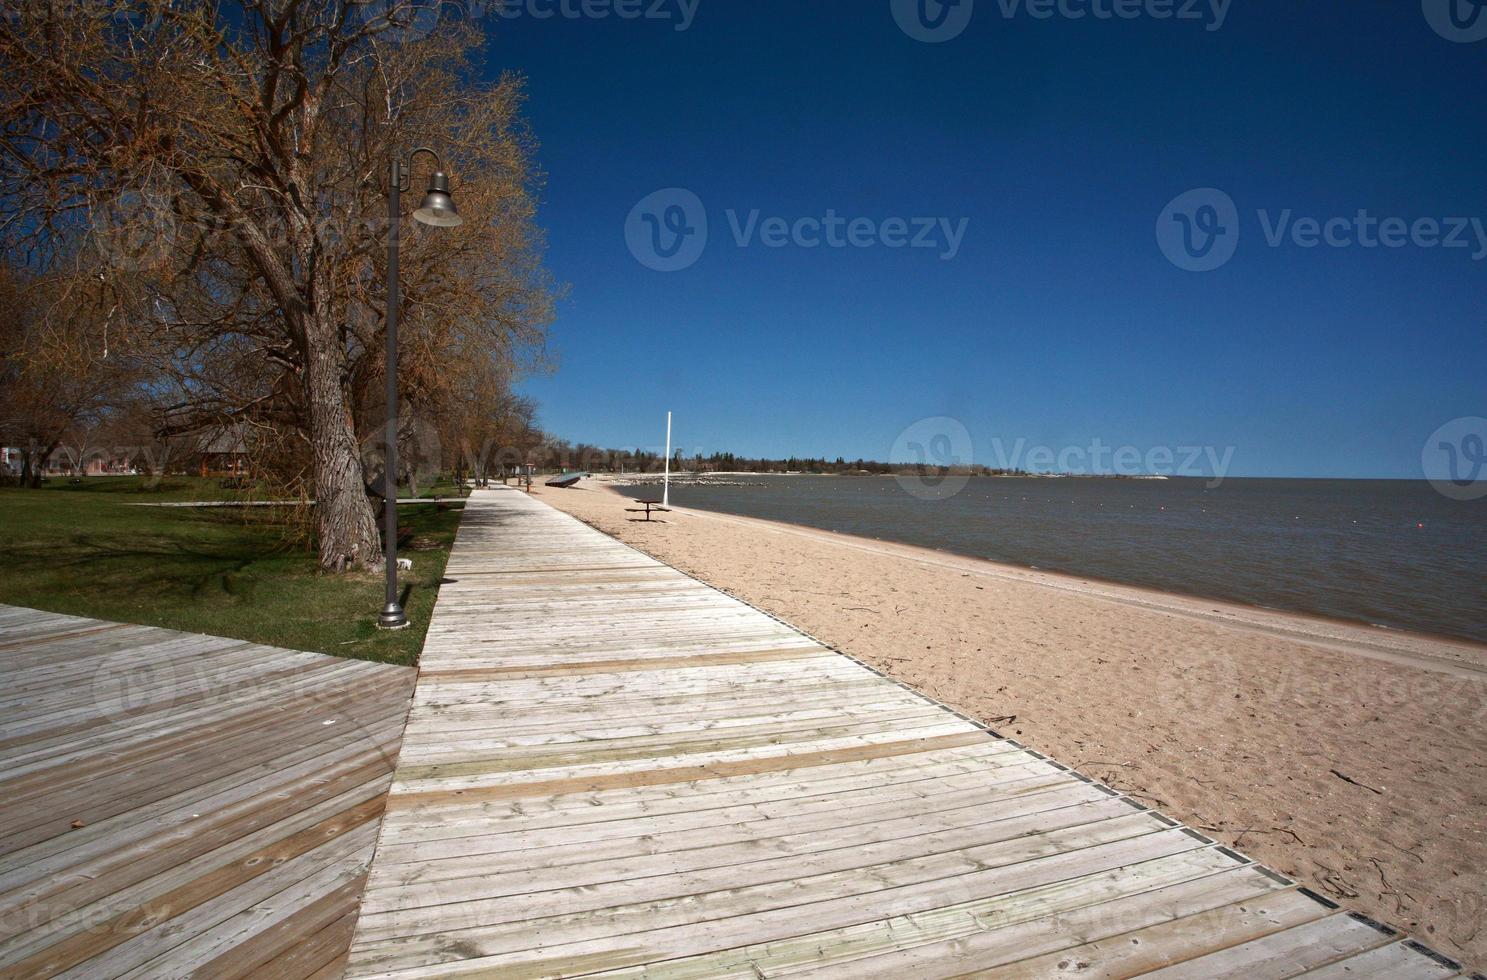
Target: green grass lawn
82, 549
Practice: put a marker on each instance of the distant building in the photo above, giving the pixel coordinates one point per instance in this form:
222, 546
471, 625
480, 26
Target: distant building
220, 451
110, 462
213, 451
62, 462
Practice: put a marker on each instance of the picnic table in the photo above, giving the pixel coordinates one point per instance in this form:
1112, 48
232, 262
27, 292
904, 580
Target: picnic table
650, 505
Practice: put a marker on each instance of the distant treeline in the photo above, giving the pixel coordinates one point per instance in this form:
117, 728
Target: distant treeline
559, 454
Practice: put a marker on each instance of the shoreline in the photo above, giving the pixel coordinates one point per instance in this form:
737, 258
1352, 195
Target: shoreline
1346, 756
1433, 651
1448, 646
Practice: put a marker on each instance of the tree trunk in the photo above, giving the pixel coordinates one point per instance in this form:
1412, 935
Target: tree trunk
346, 525
33, 464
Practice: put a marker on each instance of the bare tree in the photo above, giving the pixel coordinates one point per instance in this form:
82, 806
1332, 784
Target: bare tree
58, 377
234, 155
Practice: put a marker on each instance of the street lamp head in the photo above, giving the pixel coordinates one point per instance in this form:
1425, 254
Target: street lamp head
437, 208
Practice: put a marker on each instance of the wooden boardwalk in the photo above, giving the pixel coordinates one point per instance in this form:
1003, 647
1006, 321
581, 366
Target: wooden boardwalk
611, 769
176, 805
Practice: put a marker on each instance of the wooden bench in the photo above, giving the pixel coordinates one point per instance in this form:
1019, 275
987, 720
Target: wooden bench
650, 505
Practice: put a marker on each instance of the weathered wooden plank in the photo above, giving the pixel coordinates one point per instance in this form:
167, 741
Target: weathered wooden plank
208, 929
921, 775
40, 818
320, 955
142, 869
1385, 963
749, 822
738, 924
241, 944
226, 798
964, 939
469, 835
409, 796
234, 790
1278, 955
634, 894
1132, 942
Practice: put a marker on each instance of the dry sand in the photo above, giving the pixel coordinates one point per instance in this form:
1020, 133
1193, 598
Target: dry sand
1350, 758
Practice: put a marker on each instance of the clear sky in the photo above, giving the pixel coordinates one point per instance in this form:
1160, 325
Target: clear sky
1051, 147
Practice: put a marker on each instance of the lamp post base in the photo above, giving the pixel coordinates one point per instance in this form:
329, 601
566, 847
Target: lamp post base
391, 617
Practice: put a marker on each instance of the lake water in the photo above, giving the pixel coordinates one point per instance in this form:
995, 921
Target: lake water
1392, 553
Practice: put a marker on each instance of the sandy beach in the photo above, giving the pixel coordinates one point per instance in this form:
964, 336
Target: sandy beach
1351, 758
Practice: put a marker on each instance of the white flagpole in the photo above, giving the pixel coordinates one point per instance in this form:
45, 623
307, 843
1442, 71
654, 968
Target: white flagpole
666, 480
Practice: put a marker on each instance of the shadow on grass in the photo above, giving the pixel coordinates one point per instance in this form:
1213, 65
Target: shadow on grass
117, 485
136, 569
212, 571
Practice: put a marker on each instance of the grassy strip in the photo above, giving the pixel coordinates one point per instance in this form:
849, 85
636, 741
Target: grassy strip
80, 549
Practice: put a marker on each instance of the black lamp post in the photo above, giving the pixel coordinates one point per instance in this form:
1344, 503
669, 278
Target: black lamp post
438, 210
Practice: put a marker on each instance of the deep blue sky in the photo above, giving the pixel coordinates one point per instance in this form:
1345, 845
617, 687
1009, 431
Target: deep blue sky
1060, 320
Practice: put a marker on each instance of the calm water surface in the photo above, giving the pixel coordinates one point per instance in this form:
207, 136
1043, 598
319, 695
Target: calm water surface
1353, 549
